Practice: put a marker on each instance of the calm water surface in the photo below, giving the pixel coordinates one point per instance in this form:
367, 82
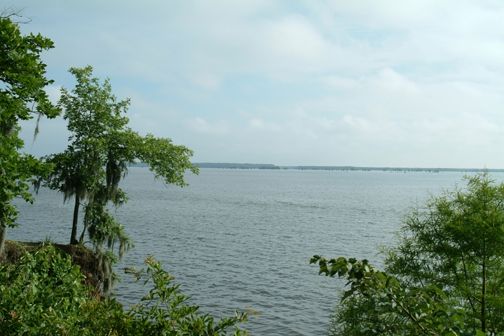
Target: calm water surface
242, 239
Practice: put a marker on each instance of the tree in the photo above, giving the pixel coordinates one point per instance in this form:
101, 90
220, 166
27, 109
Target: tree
22, 95
446, 275
100, 149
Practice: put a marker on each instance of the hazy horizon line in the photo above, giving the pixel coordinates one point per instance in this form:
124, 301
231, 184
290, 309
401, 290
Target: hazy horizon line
249, 165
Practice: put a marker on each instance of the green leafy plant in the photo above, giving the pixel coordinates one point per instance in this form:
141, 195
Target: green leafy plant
44, 293
100, 149
22, 96
445, 277
165, 310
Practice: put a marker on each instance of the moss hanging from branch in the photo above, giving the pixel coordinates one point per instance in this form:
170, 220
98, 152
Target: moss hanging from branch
96, 160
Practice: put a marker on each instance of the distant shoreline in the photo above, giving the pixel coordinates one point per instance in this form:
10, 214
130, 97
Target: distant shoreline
269, 166
341, 168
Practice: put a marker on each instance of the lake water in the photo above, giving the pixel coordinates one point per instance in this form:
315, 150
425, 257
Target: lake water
242, 239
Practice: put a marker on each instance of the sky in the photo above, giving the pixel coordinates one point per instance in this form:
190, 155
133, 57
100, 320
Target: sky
362, 83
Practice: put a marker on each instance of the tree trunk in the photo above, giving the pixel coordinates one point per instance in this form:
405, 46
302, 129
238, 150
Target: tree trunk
483, 297
73, 238
81, 239
2, 241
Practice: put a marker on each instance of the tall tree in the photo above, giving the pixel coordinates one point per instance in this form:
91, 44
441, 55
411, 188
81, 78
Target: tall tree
22, 96
100, 149
445, 277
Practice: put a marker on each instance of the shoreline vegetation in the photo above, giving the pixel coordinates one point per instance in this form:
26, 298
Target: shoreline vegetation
270, 166
48, 289
444, 276
45, 289
81, 256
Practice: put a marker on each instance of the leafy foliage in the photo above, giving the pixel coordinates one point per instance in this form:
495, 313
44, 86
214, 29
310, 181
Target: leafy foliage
22, 95
164, 310
445, 277
44, 294
100, 149
379, 304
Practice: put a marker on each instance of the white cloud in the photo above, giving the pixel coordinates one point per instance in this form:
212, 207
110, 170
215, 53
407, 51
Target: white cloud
390, 80
339, 83
201, 125
329, 82
206, 81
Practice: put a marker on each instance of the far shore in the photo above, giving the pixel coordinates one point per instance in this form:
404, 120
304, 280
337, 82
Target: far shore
269, 166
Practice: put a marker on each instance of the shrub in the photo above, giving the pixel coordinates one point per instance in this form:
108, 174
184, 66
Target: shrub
45, 294
445, 277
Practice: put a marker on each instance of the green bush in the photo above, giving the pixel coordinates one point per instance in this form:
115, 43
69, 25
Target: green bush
44, 294
444, 277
